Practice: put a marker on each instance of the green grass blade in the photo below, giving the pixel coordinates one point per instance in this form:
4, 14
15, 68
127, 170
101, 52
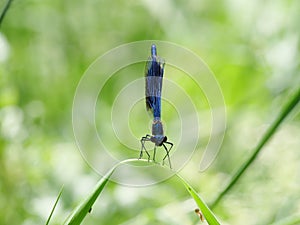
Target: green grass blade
85, 206
269, 133
4, 11
208, 214
55, 204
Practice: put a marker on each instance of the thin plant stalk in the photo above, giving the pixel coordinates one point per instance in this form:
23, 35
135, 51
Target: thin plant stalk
55, 204
294, 100
4, 11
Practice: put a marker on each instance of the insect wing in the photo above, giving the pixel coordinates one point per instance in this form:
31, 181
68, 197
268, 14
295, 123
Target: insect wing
154, 75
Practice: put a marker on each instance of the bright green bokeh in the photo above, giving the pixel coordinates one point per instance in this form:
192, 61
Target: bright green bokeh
45, 47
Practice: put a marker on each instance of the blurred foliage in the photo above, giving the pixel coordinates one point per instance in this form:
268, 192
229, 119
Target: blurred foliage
45, 47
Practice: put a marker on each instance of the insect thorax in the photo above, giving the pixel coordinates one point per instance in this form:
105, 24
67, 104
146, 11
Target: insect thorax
157, 127
158, 133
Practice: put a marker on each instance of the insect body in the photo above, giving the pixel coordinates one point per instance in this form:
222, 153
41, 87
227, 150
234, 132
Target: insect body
154, 77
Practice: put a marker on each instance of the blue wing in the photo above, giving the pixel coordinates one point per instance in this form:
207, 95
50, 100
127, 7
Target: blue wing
154, 74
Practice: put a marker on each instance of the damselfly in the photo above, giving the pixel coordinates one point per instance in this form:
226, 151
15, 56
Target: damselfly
154, 76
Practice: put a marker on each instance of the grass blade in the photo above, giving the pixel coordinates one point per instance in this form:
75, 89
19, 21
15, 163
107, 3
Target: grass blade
55, 204
4, 11
208, 214
269, 133
85, 206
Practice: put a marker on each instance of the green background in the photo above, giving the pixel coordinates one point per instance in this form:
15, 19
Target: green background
45, 46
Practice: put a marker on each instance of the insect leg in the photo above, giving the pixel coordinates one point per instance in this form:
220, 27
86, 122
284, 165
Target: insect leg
167, 155
154, 153
143, 140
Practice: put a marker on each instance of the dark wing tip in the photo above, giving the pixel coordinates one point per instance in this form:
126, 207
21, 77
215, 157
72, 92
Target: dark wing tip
149, 105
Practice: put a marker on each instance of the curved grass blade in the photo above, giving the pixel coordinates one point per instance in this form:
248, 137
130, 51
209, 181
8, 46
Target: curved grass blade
55, 204
208, 214
86, 205
265, 138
